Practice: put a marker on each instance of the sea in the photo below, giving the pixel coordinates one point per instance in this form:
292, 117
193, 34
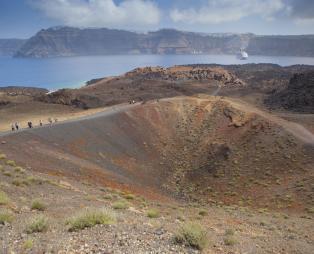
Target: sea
73, 72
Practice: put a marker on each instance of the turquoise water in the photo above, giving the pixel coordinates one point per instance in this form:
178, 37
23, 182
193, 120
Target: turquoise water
70, 72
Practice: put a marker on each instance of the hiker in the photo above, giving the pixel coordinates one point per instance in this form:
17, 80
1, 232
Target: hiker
12, 127
30, 125
40, 123
16, 126
50, 120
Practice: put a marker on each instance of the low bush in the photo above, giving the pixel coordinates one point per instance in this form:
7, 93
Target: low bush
5, 217
89, 218
38, 205
3, 198
28, 244
192, 234
10, 163
202, 212
230, 241
153, 213
2, 156
129, 196
120, 204
37, 224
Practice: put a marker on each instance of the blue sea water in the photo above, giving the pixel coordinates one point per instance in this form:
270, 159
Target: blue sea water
70, 72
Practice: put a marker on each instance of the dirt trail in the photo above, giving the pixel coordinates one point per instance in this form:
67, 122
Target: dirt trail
295, 129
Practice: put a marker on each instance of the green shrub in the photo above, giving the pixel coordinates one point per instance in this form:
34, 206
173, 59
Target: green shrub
91, 217
5, 216
7, 173
153, 213
229, 231
202, 212
38, 205
129, 196
19, 169
192, 234
120, 204
28, 244
2, 156
230, 241
3, 198
10, 163
37, 224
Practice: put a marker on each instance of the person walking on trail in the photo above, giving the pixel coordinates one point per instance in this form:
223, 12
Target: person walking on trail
12, 127
16, 126
40, 123
30, 125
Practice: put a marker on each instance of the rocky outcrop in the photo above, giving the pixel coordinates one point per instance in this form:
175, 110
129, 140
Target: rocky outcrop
8, 47
297, 96
144, 84
184, 73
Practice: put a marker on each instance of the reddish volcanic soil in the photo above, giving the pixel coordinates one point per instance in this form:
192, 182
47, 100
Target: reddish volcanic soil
206, 149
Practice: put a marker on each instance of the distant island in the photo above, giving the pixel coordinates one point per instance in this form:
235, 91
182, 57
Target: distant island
69, 41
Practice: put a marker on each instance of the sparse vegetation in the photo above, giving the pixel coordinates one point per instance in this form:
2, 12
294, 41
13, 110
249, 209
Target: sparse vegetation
129, 196
192, 234
10, 163
229, 231
3, 198
7, 173
5, 217
90, 218
38, 205
19, 169
120, 204
202, 212
28, 244
37, 224
153, 213
2, 156
230, 241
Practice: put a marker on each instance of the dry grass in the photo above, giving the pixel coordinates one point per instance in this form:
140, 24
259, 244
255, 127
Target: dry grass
5, 217
38, 205
120, 204
153, 213
10, 163
37, 224
89, 218
192, 234
3, 198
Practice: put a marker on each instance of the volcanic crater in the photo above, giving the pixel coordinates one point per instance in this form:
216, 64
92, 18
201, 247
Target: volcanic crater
202, 149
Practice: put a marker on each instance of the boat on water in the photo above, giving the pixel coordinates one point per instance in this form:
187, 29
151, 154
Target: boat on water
242, 55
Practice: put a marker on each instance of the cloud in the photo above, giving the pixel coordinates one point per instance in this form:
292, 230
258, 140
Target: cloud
302, 11
220, 11
101, 13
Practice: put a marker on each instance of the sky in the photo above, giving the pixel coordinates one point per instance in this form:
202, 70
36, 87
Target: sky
23, 18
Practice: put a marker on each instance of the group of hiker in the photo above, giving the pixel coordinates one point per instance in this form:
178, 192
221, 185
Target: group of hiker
16, 126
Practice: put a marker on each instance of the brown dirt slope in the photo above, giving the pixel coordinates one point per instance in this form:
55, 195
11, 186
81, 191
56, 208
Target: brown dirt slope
207, 150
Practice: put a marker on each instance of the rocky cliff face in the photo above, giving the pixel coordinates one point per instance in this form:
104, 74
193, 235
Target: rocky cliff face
9, 47
297, 96
291, 45
67, 41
